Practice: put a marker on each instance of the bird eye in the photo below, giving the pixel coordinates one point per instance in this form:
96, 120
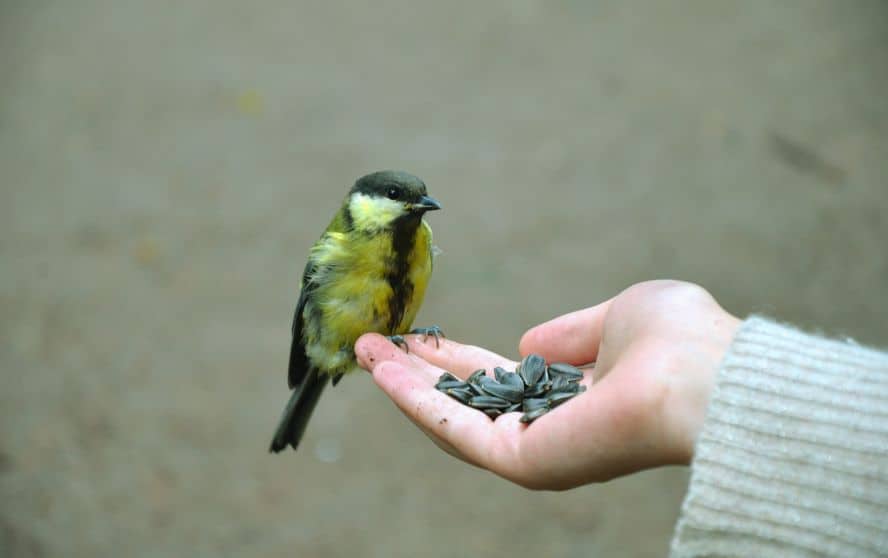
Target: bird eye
393, 194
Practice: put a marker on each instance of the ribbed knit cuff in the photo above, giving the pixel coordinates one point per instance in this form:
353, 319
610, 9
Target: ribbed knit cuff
793, 456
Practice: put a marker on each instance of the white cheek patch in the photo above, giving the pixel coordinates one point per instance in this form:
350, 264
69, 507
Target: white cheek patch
373, 212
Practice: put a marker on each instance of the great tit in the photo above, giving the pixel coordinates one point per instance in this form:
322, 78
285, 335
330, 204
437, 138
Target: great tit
367, 273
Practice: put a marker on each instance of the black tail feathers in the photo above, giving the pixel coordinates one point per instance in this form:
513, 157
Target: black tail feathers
298, 411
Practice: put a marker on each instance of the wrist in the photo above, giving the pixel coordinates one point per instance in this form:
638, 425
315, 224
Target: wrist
705, 358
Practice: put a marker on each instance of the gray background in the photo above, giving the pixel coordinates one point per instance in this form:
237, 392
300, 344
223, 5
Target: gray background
166, 166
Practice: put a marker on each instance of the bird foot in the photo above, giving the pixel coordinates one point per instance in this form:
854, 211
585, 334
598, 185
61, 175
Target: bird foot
427, 332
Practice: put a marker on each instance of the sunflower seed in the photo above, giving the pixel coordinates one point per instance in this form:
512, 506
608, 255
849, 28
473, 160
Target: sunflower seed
504, 391
533, 404
513, 379
538, 389
447, 384
499, 372
447, 377
476, 389
572, 387
488, 401
532, 368
463, 395
512, 408
560, 383
558, 398
473, 381
492, 413
476, 375
563, 369
533, 415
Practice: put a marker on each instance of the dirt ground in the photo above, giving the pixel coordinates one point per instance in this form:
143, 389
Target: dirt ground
166, 165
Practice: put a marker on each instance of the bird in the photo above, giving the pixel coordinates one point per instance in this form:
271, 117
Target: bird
368, 272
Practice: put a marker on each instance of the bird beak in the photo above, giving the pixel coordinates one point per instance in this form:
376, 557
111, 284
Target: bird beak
426, 203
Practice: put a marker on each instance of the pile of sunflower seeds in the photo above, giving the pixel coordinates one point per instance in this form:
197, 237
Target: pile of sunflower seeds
534, 388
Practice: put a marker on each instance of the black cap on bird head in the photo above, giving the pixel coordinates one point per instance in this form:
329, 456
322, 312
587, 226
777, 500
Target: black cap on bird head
397, 186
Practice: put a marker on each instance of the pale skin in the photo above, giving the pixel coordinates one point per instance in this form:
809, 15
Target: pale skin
656, 346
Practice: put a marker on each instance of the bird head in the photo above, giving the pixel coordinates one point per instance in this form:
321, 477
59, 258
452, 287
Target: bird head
380, 200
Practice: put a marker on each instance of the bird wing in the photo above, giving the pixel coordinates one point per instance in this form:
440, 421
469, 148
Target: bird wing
298, 359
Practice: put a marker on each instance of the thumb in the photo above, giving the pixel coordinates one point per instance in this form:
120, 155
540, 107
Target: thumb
573, 338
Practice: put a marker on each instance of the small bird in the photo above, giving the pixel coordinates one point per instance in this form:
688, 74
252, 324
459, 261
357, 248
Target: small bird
367, 273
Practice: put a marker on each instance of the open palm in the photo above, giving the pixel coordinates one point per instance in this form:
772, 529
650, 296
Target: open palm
656, 348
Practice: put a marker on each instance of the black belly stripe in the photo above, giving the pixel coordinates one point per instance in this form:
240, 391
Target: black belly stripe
403, 241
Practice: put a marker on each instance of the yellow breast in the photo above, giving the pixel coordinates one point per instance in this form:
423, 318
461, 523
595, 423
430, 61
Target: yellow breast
360, 285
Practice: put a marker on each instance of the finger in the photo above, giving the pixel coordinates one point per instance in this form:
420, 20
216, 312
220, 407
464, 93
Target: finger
458, 359
467, 431
372, 349
572, 338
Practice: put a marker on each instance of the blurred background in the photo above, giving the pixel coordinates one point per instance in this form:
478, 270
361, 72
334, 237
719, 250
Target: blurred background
165, 167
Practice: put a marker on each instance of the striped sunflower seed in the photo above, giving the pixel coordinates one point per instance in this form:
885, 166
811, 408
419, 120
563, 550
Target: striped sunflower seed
537, 390
503, 391
556, 399
533, 415
513, 379
532, 368
476, 375
534, 403
566, 370
447, 384
488, 401
560, 383
463, 395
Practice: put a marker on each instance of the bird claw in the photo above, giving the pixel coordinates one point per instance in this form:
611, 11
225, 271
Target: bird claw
426, 332
399, 341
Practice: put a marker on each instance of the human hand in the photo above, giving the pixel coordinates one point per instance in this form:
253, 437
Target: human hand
657, 347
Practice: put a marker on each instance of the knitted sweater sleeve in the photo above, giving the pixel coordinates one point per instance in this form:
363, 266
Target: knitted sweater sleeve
793, 456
